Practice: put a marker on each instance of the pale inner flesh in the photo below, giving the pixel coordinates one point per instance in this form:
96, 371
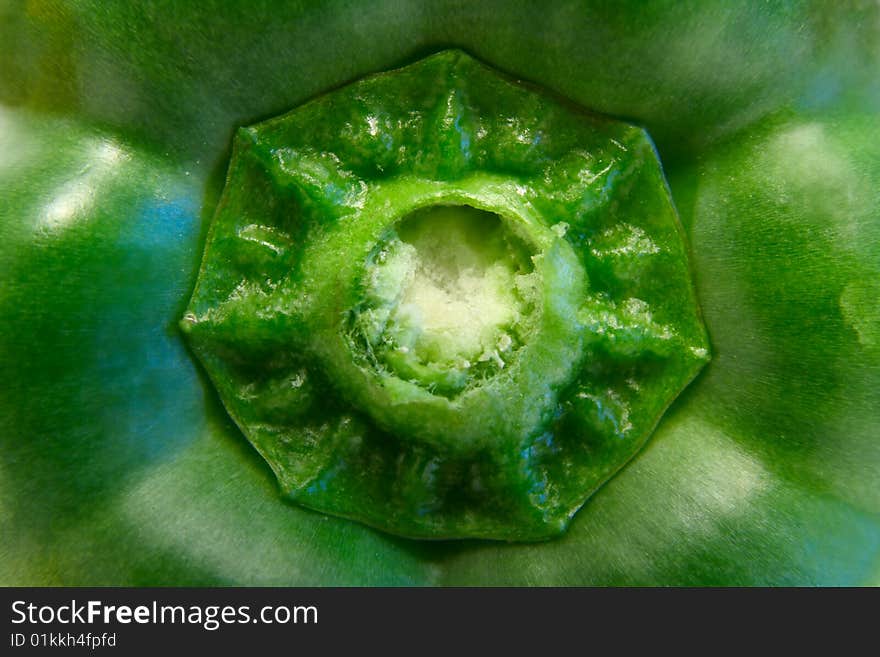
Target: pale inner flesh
448, 294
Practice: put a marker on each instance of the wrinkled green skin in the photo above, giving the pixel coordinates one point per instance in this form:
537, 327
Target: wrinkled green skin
512, 455
119, 466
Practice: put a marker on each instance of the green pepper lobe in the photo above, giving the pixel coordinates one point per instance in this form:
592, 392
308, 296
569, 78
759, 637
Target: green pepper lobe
444, 303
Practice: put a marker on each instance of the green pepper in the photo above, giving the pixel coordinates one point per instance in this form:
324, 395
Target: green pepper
118, 462
445, 304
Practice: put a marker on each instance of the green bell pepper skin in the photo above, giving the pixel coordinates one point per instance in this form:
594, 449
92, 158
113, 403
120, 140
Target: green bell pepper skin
119, 465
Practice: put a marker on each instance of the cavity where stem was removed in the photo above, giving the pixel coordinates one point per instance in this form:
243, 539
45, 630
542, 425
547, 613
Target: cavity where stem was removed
448, 298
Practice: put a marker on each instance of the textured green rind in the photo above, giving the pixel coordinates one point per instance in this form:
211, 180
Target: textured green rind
510, 458
695, 73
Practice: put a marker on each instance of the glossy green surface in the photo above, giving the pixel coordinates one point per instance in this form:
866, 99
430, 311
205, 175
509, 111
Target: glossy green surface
336, 242
113, 144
